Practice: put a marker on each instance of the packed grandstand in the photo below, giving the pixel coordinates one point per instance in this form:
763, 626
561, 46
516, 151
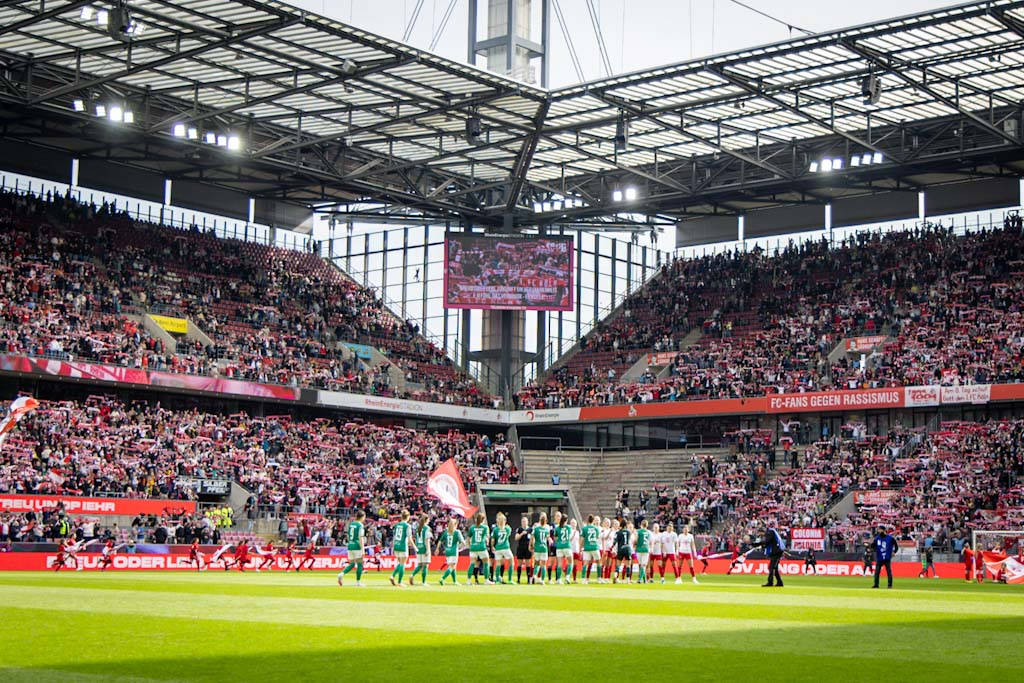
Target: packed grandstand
949, 311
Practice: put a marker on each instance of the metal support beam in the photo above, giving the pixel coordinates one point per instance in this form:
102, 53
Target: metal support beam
42, 16
759, 91
898, 68
247, 32
517, 177
742, 156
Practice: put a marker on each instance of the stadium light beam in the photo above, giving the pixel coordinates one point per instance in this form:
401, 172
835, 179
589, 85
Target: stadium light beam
78, 104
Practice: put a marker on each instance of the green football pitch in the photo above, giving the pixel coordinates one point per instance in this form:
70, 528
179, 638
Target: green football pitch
286, 627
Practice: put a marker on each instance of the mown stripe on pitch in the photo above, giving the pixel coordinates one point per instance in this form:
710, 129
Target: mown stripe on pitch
959, 641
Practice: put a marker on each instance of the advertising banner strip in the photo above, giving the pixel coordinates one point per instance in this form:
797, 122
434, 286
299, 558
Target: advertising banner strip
179, 560
114, 373
76, 505
172, 325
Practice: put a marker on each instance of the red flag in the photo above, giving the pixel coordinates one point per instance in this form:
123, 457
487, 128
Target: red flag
445, 484
19, 407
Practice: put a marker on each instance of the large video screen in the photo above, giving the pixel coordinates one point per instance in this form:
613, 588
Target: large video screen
523, 273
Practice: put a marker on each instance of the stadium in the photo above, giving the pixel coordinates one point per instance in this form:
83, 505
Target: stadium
544, 339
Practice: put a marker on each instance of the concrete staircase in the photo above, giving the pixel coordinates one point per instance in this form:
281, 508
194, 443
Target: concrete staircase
596, 477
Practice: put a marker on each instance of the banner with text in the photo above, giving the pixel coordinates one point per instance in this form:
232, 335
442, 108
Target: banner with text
807, 538
172, 325
864, 343
874, 497
824, 401
75, 505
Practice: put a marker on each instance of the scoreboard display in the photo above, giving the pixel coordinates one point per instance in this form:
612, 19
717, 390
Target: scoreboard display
514, 272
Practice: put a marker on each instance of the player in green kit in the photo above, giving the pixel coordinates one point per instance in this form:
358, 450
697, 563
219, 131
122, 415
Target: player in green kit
539, 547
356, 536
563, 550
590, 534
479, 558
452, 541
400, 544
500, 536
423, 538
643, 549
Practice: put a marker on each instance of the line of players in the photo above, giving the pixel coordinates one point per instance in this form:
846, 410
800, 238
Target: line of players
227, 556
562, 552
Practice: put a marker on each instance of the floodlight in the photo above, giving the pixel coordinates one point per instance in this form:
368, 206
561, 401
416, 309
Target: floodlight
617, 196
178, 130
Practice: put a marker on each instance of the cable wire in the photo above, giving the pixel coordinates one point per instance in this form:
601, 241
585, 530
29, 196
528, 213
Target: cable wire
791, 27
412, 21
607, 63
568, 40
444, 24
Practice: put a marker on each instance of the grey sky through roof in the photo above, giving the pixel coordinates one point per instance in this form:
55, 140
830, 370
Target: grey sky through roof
639, 34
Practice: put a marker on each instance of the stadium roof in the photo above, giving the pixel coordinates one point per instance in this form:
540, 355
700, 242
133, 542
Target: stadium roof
334, 116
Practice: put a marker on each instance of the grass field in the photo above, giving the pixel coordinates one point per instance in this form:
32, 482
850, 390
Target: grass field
256, 627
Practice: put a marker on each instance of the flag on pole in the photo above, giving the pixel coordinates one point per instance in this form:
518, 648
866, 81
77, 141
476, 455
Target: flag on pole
445, 484
19, 407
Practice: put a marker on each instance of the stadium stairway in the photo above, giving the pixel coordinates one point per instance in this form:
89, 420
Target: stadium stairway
595, 477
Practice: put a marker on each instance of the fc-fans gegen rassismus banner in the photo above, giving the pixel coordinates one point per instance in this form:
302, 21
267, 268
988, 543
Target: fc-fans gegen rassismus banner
517, 272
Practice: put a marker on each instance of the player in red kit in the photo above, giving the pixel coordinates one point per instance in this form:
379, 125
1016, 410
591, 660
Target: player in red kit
109, 551
62, 555
241, 557
288, 553
968, 557
267, 553
308, 557
195, 556
979, 565
703, 557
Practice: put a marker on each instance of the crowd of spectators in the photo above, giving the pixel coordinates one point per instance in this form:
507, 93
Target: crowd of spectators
950, 306
77, 277
104, 447
932, 487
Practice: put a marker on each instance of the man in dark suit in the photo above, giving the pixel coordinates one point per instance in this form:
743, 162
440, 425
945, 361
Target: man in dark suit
773, 548
885, 548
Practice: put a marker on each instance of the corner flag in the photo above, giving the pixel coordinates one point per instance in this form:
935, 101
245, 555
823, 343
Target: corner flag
445, 484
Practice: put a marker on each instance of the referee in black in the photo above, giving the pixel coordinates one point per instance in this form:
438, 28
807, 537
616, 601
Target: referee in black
773, 549
523, 556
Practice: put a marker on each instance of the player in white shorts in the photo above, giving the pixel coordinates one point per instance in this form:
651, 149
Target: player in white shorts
218, 556
656, 554
605, 540
668, 552
574, 544
687, 553
590, 539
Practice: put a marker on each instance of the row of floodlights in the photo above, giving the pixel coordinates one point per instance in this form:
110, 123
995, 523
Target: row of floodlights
557, 204
836, 164
226, 140
114, 111
627, 194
